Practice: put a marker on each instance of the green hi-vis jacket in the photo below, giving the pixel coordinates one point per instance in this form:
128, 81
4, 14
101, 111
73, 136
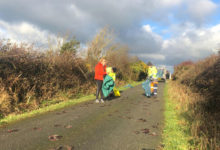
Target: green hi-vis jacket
108, 85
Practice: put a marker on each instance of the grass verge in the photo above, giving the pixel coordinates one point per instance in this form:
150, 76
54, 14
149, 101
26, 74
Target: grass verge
175, 135
16, 117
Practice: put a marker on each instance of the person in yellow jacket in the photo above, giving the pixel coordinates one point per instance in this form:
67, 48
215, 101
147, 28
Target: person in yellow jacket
152, 72
111, 72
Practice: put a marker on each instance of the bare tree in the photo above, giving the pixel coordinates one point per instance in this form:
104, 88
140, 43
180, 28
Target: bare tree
98, 46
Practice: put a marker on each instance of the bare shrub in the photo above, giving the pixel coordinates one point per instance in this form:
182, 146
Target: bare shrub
117, 56
28, 77
98, 46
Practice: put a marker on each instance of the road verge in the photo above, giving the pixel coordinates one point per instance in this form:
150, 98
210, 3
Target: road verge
175, 135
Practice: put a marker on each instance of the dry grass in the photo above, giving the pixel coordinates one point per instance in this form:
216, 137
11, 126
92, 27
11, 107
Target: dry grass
197, 91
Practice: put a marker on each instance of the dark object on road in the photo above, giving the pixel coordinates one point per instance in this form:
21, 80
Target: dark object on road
57, 125
66, 147
12, 130
54, 137
142, 120
145, 131
64, 112
36, 128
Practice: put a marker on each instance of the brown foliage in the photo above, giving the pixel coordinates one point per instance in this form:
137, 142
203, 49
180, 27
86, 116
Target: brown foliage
180, 69
117, 56
28, 77
203, 78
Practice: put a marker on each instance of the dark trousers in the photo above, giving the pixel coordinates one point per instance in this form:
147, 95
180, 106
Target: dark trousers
99, 89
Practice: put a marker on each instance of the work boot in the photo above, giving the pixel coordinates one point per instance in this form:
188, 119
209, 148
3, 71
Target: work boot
96, 101
102, 101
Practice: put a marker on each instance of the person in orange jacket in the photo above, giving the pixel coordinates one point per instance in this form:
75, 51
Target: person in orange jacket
100, 72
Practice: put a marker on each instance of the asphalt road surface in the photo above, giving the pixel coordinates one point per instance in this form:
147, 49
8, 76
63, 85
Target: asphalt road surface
131, 122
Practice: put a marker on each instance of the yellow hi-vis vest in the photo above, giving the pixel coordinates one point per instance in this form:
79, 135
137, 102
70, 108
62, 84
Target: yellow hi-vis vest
111, 73
152, 72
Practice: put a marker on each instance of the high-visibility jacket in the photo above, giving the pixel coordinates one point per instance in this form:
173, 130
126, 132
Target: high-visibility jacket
154, 87
108, 70
111, 73
152, 72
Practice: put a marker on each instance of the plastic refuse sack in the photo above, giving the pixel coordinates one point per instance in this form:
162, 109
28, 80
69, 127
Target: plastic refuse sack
116, 92
147, 87
160, 73
128, 85
108, 85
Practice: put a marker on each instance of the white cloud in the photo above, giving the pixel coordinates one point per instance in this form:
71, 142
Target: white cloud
147, 28
28, 33
170, 3
200, 9
151, 56
215, 28
192, 43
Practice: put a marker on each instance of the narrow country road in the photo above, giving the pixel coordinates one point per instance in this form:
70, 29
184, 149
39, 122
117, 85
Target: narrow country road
131, 122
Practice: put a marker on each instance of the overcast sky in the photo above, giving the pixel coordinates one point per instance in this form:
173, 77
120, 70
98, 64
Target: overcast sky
162, 31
